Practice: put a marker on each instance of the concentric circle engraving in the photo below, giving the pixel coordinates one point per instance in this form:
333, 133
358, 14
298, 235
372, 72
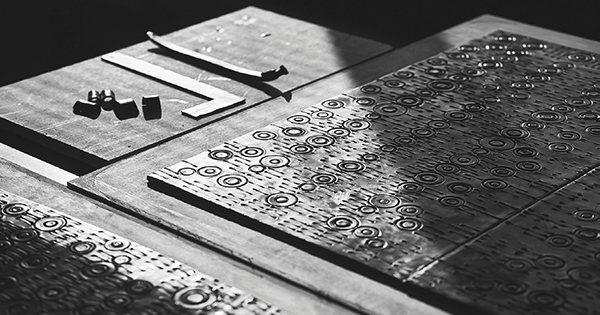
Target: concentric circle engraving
195, 298
308, 187
581, 57
404, 141
350, 166
387, 148
586, 215
521, 85
403, 74
550, 262
389, 109
548, 116
384, 201
518, 265
525, 152
559, 240
513, 287
469, 48
502, 171
410, 187
514, 133
338, 132
320, 141
429, 178
409, 101
459, 188
356, 124
322, 114
370, 89
117, 244
457, 55
209, 171
23, 235
15, 209
474, 107
282, 199
464, 159
568, 135
274, 161
264, 135
334, 104
370, 157
437, 61
301, 149
394, 84
537, 77
186, 171
409, 224
457, 115
584, 274
99, 269
451, 201
342, 222
52, 292
48, 224
376, 243
593, 130
139, 287
232, 180
545, 299
438, 124
293, 131
588, 234
367, 232
563, 65
410, 210
252, 152
324, 179
447, 168
578, 101
497, 143
563, 108
533, 125
220, 155
367, 209
82, 247
443, 85
298, 119
560, 147
529, 166
34, 261
422, 132
426, 92
365, 101
588, 115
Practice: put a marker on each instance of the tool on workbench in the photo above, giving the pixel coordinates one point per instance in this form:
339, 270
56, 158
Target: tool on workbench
269, 75
219, 99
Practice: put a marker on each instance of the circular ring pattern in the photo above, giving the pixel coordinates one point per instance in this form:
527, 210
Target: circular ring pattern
252, 152
558, 240
356, 124
338, 132
34, 261
560, 147
324, 179
495, 47
459, 188
82, 247
194, 298
52, 292
473, 72
550, 70
457, 55
298, 119
422, 132
7, 282
584, 274
443, 85
437, 61
342, 222
370, 157
209, 171
588, 234
320, 141
186, 171
490, 87
365, 101
117, 244
469, 48
592, 93
409, 224
335, 104
550, 262
545, 299
403, 74
387, 148
513, 287
282, 199
264, 135
404, 141
497, 143
394, 84
534, 45
49, 224
367, 232
451, 201
483, 284
528, 166
367, 209
490, 64
593, 130
15, 209
384, 201
221, 154
464, 159
372, 116
480, 151
21, 307
424, 92
521, 85
23, 235
370, 89
502, 171
520, 96
568, 135
322, 114
458, 77
118, 301
578, 102
389, 109
517, 52
505, 38
274, 161
301, 149
429, 178
99, 269
232, 180
121, 260
525, 152
447, 168
586, 215
533, 125
410, 210
139, 287
409, 101
514, 133
563, 108
563, 65
438, 124
537, 77
410, 187
457, 115
350, 166
518, 265
588, 115
474, 107
308, 187
293, 131
376, 243
581, 57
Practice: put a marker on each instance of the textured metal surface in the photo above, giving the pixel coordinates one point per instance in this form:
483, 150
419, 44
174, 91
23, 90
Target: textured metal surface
51, 263
402, 170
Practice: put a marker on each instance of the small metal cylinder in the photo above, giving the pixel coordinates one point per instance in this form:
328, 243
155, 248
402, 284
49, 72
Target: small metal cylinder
108, 99
151, 107
87, 109
125, 109
94, 96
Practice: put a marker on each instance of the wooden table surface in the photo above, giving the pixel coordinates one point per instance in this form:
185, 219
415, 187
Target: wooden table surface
40, 109
297, 281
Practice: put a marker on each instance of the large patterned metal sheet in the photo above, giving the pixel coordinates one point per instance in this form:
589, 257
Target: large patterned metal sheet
51, 263
405, 169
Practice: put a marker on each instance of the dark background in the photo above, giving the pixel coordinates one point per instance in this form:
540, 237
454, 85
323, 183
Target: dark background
39, 36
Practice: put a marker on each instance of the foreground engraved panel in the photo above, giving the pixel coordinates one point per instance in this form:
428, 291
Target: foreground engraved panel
402, 170
51, 263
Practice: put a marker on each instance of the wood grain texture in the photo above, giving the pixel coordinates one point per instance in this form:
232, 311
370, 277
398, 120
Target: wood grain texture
41, 107
290, 298
124, 183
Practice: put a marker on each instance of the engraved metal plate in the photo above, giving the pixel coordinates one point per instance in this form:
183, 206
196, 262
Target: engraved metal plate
51, 263
400, 171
